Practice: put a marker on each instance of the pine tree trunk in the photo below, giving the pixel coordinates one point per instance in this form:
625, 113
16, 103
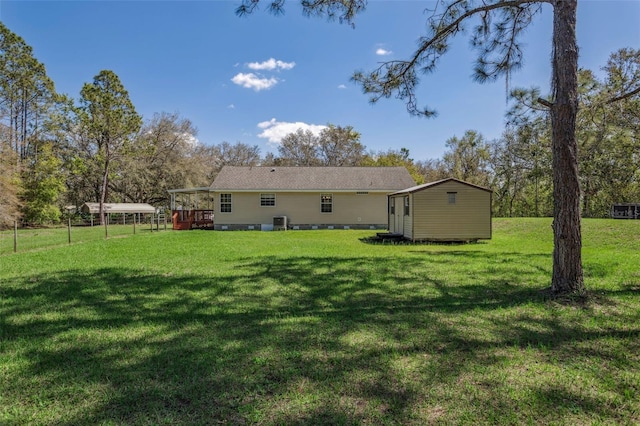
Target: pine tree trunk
567, 257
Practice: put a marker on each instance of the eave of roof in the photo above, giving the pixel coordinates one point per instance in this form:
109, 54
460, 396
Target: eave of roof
94, 208
189, 190
436, 183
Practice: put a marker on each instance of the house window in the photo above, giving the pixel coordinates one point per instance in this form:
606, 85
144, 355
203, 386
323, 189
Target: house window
392, 206
326, 203
267, 200
406, 206
225, 203
452, 197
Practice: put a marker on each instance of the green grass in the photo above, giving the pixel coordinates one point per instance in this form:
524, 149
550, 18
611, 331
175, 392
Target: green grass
48, 237
320, 327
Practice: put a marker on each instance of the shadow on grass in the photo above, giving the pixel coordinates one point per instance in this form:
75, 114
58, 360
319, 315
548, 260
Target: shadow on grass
306, 340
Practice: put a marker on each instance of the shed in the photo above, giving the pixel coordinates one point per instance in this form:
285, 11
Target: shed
445, 210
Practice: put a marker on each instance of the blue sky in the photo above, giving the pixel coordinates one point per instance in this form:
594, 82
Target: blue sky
256, 78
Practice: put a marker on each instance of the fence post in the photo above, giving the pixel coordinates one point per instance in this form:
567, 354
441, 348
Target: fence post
134, 224
69, 229
15, 236
106, 226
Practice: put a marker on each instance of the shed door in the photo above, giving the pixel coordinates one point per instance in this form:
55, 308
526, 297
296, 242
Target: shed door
399, 218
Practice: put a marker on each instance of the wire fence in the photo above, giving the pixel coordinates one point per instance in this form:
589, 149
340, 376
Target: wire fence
18, 240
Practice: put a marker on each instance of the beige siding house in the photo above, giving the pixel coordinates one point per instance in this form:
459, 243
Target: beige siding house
305, 197
446, 210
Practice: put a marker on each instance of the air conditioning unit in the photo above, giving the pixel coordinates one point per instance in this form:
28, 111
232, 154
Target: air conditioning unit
279, 223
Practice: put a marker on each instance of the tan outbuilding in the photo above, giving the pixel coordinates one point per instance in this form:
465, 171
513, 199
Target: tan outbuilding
446, 210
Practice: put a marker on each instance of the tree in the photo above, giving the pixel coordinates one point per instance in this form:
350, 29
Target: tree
334, 146
339, 146
26, 93
298, 149
109, 121
468, 158
157, 160
608, 132
9, 183
394, 158
238, 154
43, 187
521, 166
498, 24
431, 169
205, 162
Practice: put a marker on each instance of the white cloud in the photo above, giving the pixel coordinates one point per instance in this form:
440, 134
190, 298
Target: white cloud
191, 139
383, 52
274, 130
271, 64
231, 106
342, 86
252, 81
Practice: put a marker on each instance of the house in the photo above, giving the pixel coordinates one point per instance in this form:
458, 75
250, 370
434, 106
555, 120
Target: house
305, 197
446, 210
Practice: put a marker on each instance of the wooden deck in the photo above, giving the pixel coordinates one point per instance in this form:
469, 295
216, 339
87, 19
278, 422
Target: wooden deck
192, 219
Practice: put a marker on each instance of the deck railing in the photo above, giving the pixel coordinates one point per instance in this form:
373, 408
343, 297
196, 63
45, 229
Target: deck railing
189, 219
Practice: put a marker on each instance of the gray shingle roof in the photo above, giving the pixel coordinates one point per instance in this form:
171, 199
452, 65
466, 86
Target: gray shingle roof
436, 183
388, 179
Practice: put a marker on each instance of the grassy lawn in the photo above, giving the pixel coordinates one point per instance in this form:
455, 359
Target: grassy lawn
44, 238
320, 327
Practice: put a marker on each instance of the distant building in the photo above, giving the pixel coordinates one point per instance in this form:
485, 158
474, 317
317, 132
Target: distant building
625, 211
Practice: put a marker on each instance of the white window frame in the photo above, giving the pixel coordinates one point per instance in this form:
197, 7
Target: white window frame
323, 203
268, 200
226, 199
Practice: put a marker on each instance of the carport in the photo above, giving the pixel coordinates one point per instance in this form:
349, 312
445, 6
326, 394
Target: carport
125, 211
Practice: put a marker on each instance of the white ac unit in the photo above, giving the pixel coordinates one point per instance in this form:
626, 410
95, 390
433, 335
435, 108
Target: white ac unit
280, 223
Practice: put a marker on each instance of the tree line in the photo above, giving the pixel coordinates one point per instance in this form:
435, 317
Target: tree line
56, 151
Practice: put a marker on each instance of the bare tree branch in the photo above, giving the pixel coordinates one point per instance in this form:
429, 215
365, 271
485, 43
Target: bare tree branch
623, 96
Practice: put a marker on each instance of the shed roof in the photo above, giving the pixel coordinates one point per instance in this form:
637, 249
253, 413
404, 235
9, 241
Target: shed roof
94, 208
381, 179
436, 183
